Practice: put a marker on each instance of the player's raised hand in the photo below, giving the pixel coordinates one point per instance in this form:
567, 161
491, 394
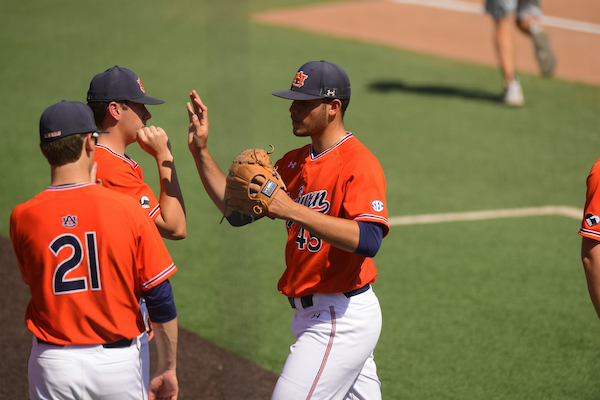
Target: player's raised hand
198, 115
164, 387
154, 141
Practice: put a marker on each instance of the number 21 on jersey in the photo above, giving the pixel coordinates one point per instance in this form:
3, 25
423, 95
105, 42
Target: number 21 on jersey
60, 282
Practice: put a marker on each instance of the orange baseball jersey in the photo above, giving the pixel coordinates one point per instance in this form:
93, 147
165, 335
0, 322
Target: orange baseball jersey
345, 181
124, 175
590, 225
86, 253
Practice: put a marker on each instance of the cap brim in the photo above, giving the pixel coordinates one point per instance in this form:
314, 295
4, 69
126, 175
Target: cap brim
146, 100
293, 95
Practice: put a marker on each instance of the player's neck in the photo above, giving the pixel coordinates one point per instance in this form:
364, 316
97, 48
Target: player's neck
77, 172
113, 141
327, 139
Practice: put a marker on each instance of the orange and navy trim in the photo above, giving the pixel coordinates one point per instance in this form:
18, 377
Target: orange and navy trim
372, 218
155, 211
70, 186
329, 150
590, 233
128, 160
327, 353
160, 277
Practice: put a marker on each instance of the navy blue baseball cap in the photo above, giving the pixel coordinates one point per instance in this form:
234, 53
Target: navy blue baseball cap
318, 80
66, 118
118, 84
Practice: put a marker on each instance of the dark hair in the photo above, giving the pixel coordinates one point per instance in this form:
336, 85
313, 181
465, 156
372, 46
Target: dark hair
345, 103
100, 107
65, 150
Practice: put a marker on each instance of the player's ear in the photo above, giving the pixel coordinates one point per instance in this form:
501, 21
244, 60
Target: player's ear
115, 110
90, 141
335, 107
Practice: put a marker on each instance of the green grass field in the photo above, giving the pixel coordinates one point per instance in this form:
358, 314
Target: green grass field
492, 309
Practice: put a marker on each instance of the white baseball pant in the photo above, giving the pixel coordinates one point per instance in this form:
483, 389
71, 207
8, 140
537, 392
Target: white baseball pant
333, 355
88, 372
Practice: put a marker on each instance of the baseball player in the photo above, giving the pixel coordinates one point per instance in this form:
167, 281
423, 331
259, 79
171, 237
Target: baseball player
118, 100
88, 254
590, 230
336, 216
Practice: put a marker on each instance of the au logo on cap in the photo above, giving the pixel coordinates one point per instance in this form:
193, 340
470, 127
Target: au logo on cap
139, 81
299, 79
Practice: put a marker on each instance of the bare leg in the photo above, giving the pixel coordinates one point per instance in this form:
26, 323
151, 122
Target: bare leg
505, 47
543, 50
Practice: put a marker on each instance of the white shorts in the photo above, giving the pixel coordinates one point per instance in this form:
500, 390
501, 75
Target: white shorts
88, 372
521, 8
333, 355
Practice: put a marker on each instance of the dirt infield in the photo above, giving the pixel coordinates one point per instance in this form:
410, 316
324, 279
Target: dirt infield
461, 33
205, 371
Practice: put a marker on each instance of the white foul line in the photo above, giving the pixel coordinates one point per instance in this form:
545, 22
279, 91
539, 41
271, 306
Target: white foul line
453, 5
564, 211
463, 6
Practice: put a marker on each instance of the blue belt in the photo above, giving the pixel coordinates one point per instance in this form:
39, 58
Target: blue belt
307, 301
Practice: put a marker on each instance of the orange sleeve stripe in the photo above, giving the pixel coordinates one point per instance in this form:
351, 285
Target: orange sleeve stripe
160, 277
155, 211
589, 233
372, 217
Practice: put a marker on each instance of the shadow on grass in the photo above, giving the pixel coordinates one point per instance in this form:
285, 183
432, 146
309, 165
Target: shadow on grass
434, 90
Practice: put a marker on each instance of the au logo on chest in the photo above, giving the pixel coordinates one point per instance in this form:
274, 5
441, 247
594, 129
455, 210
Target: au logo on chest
69, 221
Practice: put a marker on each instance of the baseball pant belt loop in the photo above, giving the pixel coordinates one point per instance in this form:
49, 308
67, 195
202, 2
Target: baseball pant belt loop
114, 345
307, 301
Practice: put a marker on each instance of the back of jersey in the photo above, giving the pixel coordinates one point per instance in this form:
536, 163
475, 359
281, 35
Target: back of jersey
86, 253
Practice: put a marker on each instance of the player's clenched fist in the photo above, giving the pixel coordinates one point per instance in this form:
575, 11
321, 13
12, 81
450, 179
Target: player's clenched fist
164, 387
154, 141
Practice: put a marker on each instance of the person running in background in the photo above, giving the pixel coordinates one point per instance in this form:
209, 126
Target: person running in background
527, 14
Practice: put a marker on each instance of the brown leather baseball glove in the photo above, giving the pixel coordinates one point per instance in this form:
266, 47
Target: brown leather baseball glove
243, 171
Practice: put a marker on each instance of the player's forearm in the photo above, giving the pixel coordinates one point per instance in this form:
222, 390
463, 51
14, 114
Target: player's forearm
166, 335
338, 232
172, 221
213, 179
590, 257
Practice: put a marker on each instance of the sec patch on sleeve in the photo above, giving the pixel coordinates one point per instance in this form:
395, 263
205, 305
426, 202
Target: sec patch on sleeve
377, 205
